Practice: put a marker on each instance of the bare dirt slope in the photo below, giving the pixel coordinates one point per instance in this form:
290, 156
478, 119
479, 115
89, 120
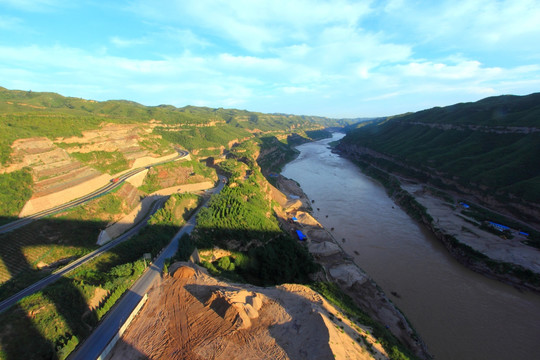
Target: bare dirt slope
449, 218
191, 315
125, 138
53, 169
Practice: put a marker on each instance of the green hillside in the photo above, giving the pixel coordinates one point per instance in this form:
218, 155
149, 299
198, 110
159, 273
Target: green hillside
26, 114
491, 146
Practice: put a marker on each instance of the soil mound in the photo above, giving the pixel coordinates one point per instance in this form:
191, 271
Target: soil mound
191, 315
184, 272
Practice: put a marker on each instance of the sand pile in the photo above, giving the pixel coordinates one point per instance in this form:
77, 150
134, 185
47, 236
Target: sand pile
238, 307
183, 272
191, 315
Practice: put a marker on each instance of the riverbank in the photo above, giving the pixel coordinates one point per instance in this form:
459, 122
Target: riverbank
493, 255
340, 268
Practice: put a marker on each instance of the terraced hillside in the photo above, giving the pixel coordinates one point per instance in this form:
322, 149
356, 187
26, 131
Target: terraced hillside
64, 142
488, 150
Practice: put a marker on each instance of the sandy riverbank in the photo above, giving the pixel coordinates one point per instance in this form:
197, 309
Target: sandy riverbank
339, 267
449, 218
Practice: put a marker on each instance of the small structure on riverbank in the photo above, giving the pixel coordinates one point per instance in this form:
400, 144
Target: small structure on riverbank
464, 205
499, 227
301, 235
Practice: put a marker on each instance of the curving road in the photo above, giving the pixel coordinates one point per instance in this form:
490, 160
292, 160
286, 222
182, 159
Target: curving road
99, 192
6, 304
92, 347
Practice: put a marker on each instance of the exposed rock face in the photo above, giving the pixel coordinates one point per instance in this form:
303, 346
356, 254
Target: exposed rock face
183, 272
111, 137
325, 248
495, 258
238, 307
349, 275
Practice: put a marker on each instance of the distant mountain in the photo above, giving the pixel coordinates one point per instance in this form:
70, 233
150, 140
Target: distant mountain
25, 114
489, 149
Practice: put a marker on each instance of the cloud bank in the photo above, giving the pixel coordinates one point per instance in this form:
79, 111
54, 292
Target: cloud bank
335, 58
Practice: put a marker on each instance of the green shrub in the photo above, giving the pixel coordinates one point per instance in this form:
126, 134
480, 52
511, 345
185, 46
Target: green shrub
15, 191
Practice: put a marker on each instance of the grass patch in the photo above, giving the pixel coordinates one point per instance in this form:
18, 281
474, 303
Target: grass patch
107, 162
16, 190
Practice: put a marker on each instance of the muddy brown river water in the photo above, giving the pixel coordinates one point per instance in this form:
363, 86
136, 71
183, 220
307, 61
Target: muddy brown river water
459, 314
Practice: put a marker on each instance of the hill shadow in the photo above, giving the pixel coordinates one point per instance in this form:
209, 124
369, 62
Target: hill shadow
56, 318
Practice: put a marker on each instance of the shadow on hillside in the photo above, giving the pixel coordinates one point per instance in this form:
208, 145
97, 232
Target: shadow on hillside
55, 315
29, 326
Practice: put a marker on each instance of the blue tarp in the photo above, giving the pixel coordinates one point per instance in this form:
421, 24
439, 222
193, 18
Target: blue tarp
301, 235
499, 226
294, 219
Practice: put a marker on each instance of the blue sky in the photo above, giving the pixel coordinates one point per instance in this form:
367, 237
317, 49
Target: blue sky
334, 58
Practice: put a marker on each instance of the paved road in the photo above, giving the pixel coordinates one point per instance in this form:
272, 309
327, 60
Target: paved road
109, 326
4, 305
99, 192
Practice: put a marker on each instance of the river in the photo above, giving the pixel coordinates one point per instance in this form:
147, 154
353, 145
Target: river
459, 313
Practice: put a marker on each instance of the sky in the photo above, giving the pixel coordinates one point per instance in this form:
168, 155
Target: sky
335, 58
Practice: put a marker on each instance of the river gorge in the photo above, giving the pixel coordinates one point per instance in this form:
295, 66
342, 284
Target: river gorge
458, 313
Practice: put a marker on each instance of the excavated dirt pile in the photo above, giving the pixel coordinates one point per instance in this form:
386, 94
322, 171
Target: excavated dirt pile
191, 315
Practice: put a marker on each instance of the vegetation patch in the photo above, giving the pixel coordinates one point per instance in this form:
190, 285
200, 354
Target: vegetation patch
466, 144
16, 190
177, 210
176, 173
107, 162
240, 219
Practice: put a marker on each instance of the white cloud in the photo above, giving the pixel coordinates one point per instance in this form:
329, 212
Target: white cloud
503, 25
184, 37
304, 56
462, 70
296, 89
120, 42
256, 25
10, 23
250, 62
34, 5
